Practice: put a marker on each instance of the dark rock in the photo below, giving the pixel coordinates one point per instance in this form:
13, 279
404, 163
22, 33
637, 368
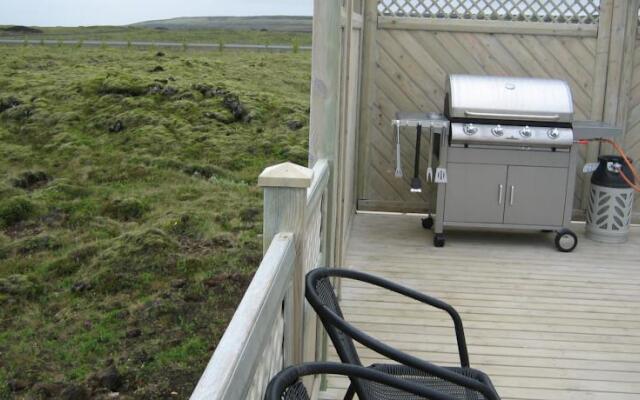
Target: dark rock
18, 385
169, 91
8, 103
179, 283
295, 125
118, 126
187, 96
209, 91
75, 392
134, 333
142, 357
158, 68
48, 390
156, 88
239, 111
249, 214
109, 378
29, 180
160, 54
80, 287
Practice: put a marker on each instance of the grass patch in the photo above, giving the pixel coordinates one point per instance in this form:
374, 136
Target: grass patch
129, 212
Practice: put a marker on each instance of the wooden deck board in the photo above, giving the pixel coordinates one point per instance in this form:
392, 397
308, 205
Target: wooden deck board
543, 324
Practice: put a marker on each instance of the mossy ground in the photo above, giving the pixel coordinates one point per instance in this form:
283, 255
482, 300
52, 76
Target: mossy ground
129, 214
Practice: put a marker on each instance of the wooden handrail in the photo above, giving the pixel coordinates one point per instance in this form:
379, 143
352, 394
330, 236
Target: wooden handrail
250, 332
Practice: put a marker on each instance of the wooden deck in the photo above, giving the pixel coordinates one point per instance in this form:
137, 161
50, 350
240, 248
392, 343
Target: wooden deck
544, 325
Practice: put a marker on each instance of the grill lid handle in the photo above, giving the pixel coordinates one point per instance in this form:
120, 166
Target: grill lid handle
528, 117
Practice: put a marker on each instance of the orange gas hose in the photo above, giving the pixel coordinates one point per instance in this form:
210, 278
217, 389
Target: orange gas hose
632, 183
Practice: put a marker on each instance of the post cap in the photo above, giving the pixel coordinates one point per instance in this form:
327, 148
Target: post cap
286, 174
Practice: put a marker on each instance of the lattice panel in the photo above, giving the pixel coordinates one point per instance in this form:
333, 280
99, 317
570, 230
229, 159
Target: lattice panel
558, 11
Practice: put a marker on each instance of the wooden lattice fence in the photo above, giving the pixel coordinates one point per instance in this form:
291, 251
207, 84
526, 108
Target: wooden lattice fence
553, 11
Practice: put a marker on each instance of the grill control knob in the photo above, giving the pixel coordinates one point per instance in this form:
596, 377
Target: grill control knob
497, 131
526, 132
470, 129
553, 133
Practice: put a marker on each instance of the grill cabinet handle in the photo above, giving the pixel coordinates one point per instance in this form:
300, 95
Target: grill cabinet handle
501, 194
528, 117
513, 194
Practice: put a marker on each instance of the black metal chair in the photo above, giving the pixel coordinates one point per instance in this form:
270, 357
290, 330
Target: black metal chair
460, 383
287, 385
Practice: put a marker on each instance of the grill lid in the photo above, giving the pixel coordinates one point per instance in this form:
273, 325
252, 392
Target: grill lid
506, 98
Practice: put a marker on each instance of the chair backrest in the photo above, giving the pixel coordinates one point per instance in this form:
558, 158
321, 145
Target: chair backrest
323, 290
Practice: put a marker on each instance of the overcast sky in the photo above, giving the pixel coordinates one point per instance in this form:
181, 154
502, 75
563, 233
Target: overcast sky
121, 12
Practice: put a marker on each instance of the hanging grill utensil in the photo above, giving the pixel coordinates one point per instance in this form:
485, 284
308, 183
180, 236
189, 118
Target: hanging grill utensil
398, 173
430, 162
416, 183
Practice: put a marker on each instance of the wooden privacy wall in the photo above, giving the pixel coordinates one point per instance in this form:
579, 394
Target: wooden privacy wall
412, 57
632, 134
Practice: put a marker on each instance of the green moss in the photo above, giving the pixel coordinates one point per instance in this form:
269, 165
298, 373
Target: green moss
126, 209
16, 209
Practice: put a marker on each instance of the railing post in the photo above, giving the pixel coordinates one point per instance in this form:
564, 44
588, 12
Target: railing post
285, 199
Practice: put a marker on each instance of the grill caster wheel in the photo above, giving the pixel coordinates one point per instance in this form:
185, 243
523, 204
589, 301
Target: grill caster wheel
427, 223
566, 241
439, 240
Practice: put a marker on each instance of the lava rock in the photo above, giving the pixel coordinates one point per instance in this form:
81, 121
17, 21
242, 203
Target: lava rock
158, 68
239, 111
295, 125
249, 214
75, 392
118, 126
179, 283
80, 287
18, 385
169, 91
134, 333
31, 179
109, 378
48, 390
9, 102
160, 54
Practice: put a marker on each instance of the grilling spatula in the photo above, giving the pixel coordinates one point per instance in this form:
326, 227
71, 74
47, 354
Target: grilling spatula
398, 160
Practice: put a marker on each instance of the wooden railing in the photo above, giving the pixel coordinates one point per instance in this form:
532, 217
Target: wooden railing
273, 327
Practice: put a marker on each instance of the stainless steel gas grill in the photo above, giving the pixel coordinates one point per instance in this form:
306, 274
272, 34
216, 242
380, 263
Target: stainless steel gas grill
508, 155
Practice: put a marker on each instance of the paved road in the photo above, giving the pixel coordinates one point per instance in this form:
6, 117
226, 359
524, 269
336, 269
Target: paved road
193, 46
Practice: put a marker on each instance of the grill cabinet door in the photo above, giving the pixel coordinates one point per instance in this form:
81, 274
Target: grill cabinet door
475, 193
536, 196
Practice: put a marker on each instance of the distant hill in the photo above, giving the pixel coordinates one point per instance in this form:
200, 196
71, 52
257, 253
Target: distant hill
268, 23
19, 29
